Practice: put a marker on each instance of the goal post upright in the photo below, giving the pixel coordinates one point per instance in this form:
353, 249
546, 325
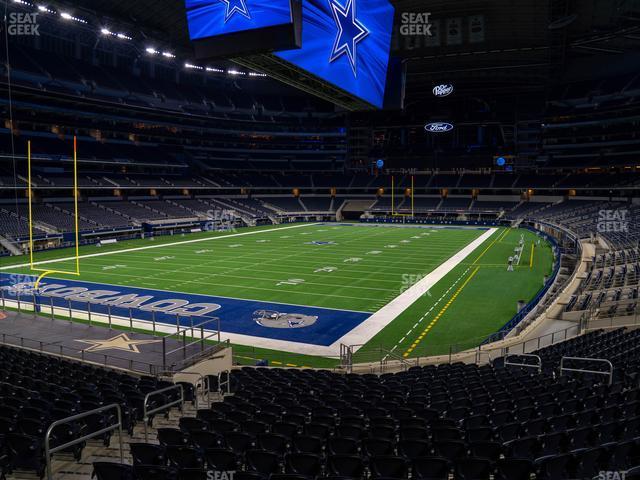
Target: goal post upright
76, 193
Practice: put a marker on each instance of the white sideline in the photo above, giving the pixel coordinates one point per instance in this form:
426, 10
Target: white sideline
160, 245
383, 317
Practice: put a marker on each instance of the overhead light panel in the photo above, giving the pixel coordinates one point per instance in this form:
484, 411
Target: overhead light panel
68, 16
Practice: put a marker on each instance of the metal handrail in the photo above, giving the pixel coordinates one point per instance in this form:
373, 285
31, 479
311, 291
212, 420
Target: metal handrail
537, 366
48, 452
160, 408
582, 370
406, 364
204, 382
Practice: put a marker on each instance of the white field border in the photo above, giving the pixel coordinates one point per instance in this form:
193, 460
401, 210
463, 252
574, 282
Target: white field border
359, 335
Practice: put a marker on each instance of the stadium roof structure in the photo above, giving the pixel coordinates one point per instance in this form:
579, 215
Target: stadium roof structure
525, 44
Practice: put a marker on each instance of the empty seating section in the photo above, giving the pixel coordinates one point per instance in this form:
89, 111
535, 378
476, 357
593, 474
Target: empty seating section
284, 204
248, 206
613, 220
37, 389
317, 204
93, 213
48, 215
470, 180
450, 203
423, 203
74, 77
192, 206
166, 208
493, 206
525, 209
13, 226
610, 287
620, 346
469, 421
135, 212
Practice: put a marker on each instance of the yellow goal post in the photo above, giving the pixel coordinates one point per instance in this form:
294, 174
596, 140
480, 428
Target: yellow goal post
43, 272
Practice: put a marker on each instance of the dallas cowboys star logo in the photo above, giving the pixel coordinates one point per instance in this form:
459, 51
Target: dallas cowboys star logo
350, 32
119, 342
233, 6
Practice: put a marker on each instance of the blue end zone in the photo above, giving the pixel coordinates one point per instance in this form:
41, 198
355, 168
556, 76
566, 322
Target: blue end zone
311, 325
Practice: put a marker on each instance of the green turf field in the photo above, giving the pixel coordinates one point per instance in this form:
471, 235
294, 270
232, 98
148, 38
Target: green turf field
359, 268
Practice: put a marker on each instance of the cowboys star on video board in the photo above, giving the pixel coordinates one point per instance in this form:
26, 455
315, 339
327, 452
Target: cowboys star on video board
346, 43
209, 18
221, 28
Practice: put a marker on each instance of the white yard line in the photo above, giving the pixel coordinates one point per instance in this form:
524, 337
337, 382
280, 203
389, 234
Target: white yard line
149, 247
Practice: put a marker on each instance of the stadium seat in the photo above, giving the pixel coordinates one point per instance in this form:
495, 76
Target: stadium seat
388, 466
112, 471
148, 454
221, 459
262, 462
472, 468
430, 468
306, 464
350, 466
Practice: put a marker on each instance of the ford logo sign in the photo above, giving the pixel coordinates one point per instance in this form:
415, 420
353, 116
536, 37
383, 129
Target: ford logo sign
443, 90
438, 127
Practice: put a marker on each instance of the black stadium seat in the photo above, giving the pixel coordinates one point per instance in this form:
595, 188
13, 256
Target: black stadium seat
112, 471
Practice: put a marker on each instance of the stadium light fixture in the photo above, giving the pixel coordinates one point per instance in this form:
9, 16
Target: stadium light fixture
152, 51
23, 2
168, 55
195, 67
214, 69
68, 16
45, 9
120, 35
235, 72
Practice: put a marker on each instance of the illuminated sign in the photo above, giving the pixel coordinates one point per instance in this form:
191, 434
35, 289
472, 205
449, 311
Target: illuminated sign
438, 127
443, 90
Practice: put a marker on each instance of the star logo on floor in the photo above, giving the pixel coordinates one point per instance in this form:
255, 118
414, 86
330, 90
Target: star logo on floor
120, 342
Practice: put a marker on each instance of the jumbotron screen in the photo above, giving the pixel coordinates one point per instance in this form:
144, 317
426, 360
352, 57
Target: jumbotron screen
346, 43
211, 18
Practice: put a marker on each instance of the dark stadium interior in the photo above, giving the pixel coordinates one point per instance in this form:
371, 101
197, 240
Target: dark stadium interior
545, 134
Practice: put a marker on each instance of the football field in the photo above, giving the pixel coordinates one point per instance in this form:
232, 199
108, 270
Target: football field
292, 293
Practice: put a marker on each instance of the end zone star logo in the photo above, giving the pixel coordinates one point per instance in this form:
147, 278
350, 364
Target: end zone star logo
233, 6
350, 32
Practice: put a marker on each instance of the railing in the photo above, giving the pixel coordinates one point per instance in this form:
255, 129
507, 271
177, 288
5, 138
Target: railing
226, 383
161, 408
48, 452
537, 366
55, 349
406, 364
583, 370
203, 384
200, 340
542, 341
122, 318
